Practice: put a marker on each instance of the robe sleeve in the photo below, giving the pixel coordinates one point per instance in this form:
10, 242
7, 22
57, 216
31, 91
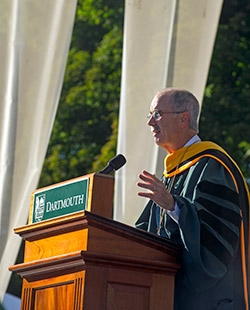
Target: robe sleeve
209, 224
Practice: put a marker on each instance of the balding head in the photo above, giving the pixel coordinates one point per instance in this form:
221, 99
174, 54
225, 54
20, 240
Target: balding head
181, 100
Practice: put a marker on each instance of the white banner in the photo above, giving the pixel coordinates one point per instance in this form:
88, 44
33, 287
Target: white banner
35, 38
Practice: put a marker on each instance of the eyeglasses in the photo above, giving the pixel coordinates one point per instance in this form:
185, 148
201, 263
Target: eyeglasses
158, 114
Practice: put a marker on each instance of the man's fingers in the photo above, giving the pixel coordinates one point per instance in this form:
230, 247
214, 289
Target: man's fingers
146, 185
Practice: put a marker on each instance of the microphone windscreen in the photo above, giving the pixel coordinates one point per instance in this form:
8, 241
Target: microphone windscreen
114, 164
118, 161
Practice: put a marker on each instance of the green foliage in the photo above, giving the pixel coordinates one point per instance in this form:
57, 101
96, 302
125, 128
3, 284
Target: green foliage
89, 103
225, 115
98, 12
93, 20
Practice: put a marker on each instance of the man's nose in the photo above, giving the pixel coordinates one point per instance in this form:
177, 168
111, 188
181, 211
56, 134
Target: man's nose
151, 121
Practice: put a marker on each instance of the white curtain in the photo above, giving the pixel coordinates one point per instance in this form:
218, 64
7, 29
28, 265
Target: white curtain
166, 43
34, 43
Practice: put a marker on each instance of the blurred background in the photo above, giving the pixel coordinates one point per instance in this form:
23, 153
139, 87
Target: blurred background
90, 70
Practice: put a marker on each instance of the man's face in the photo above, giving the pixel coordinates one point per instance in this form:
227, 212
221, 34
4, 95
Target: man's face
165, 129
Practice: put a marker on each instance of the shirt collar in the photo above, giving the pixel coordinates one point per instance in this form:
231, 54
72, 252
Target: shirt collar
194, 139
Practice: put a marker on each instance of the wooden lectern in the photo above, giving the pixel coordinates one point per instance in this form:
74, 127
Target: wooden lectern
87, 261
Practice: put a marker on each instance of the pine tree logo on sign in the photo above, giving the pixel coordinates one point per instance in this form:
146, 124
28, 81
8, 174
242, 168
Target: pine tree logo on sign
39, 207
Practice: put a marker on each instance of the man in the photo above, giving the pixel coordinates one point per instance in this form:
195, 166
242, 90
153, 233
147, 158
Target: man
201, 203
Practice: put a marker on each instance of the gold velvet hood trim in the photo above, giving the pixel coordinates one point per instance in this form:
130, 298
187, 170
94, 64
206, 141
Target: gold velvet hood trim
173, 162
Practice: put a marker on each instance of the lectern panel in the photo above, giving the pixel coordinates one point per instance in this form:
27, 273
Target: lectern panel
58, 293
121, 296
61, 295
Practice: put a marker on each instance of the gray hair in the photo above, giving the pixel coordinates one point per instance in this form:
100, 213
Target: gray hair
182, 100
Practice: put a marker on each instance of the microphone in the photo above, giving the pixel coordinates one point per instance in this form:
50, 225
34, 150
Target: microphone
114, 164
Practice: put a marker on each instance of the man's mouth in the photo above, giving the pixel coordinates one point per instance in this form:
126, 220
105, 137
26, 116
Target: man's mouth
155, 129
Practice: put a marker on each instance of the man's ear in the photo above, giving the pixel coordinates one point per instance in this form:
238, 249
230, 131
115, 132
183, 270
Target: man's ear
185, 117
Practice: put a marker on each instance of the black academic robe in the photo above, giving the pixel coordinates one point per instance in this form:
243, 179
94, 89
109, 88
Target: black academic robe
212, 229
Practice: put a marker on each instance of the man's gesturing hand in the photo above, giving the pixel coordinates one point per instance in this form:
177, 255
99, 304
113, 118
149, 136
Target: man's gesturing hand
157, 191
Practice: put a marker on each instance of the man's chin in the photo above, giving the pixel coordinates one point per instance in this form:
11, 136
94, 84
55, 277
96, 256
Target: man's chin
157, 140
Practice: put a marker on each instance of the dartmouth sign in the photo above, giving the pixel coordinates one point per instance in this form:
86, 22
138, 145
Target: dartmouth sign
59, 200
